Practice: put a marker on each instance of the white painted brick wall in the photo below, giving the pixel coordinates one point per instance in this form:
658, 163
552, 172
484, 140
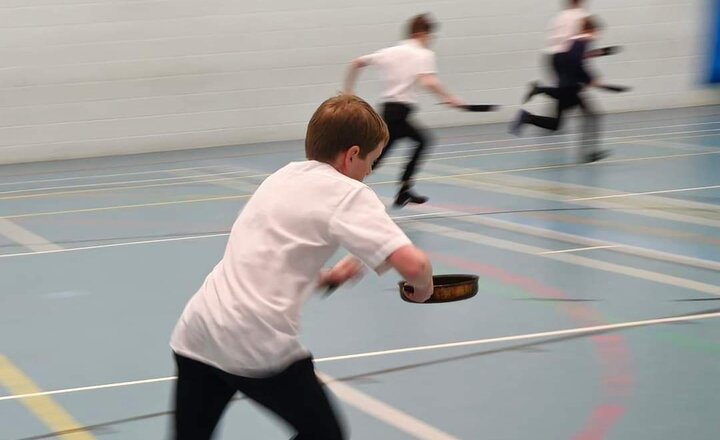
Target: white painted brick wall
92, 77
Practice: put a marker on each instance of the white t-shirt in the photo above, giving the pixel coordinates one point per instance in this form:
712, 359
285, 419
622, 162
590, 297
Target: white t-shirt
399, 68
245, 317
565, 26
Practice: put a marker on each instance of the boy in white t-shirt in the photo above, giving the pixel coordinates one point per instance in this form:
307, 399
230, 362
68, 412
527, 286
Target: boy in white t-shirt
401, 68
574, 78
564, 27
239, 332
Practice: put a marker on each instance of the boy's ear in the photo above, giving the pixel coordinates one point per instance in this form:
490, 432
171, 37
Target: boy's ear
352, 152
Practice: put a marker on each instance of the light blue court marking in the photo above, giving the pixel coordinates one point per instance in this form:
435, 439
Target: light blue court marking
67, 294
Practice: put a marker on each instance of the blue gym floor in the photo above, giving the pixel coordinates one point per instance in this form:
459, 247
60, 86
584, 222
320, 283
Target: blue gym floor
99, 256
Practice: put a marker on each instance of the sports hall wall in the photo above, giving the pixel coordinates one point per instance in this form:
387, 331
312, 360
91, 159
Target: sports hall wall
82, 78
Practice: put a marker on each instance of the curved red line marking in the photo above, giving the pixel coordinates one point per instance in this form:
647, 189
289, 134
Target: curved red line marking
600, 422
614, 356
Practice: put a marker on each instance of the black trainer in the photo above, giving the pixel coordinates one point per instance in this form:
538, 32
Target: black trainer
517, 124
598, 155
408, 196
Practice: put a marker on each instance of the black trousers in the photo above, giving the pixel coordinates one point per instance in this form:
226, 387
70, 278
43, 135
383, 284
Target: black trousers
553, 65
202, 392
591, 119
395, 115
567, 98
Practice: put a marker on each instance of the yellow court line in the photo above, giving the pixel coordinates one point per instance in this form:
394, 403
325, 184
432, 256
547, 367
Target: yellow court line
517, 149
44, 408
623, 226
189, 180
141, 205
386, 182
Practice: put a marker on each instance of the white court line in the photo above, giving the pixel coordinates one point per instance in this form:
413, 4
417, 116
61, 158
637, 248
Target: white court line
565, 332
186, 237
573, 143
603, 162
387, 182
112, 245
546, 167
423, 215
609, 246
663, 143
676, 145
236, 177
108, 186
484, 218
521, 337
578, 260
647, 253
95, 176
392, 161
139, 205
663, 210
551, 234
664, 191
577, 133
188, 181
407, 148
556, 190
25, 237
589, 243
382, 411
122, 182
235, 183
89, 388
